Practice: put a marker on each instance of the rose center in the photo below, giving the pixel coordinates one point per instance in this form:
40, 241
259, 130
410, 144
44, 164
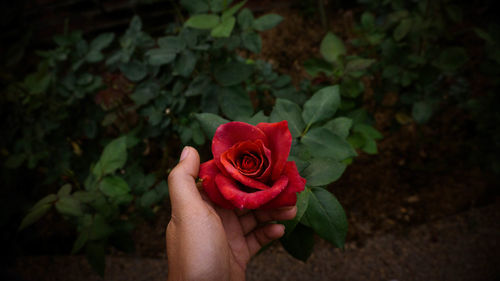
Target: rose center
248, 159
248, 163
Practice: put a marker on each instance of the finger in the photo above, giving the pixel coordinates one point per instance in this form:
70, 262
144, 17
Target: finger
275, 214
262, 236
241, 212
250, 221
182, 182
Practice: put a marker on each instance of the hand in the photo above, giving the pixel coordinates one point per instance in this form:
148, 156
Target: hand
205, 242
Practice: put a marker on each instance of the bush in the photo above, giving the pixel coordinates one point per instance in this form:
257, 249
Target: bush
101, 118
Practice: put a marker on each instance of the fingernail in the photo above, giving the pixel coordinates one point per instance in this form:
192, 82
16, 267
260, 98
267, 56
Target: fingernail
185, 153
282, 228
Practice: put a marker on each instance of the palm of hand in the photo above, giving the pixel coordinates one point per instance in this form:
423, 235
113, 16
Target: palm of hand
246, 232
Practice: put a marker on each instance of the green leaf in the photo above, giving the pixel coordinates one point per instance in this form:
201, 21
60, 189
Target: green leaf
235, 103
252, 41
422, 111
185, 63
114, 186
339, 126
173, 44
266, 22
282, 81
332, 47
290, 111
198, 85
327, 217
218, 5
65, 190
358, 64
92, 57
323, 171
299, 243
368, 20
202, 21
483, 35
99, 229
259, 117
315, 66
84, 79
69, 206
149, 198
301, 164
302, 203
356, 140
38, 82
209, 101
367, 131
162, 188
160, 56
134, 70
45, 200
224, 28
245, 19
370, 146
198, 136
135, 24
231, 11
351, 88
34, 215
84, 196
80, 241
232, 73
112, 158
102, 41
322, 105
95, 254
210, 122
145, 92
195, 6
322, 143
402, 29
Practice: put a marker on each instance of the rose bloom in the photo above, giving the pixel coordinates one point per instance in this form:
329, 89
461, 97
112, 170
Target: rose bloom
250, 168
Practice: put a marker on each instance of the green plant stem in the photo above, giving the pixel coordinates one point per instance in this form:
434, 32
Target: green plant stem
322, 14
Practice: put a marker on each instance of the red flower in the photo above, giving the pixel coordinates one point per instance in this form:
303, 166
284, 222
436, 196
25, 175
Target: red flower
250, 168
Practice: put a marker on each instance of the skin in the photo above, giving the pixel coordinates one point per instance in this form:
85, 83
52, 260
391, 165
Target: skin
205, 242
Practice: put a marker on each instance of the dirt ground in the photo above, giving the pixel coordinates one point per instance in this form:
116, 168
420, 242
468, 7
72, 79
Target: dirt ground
417, 211
458, 247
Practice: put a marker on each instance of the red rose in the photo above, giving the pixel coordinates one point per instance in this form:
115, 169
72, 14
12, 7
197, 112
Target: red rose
250, 168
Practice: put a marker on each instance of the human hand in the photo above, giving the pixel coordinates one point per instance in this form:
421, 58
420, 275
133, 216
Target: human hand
206, 242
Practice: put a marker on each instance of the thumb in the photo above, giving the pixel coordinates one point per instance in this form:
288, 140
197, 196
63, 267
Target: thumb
182, 183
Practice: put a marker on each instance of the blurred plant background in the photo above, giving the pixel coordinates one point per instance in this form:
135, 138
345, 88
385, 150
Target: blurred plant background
392, 105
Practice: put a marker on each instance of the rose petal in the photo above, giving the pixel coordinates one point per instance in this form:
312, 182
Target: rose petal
251, 147
235, 174
232, 133
243, 200
289, 196
227, 163
208, 173
280, 142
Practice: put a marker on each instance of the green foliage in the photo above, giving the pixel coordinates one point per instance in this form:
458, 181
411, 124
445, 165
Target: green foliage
418, 53
91, 113
332, 48
326, 216
85, 93
346, 72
